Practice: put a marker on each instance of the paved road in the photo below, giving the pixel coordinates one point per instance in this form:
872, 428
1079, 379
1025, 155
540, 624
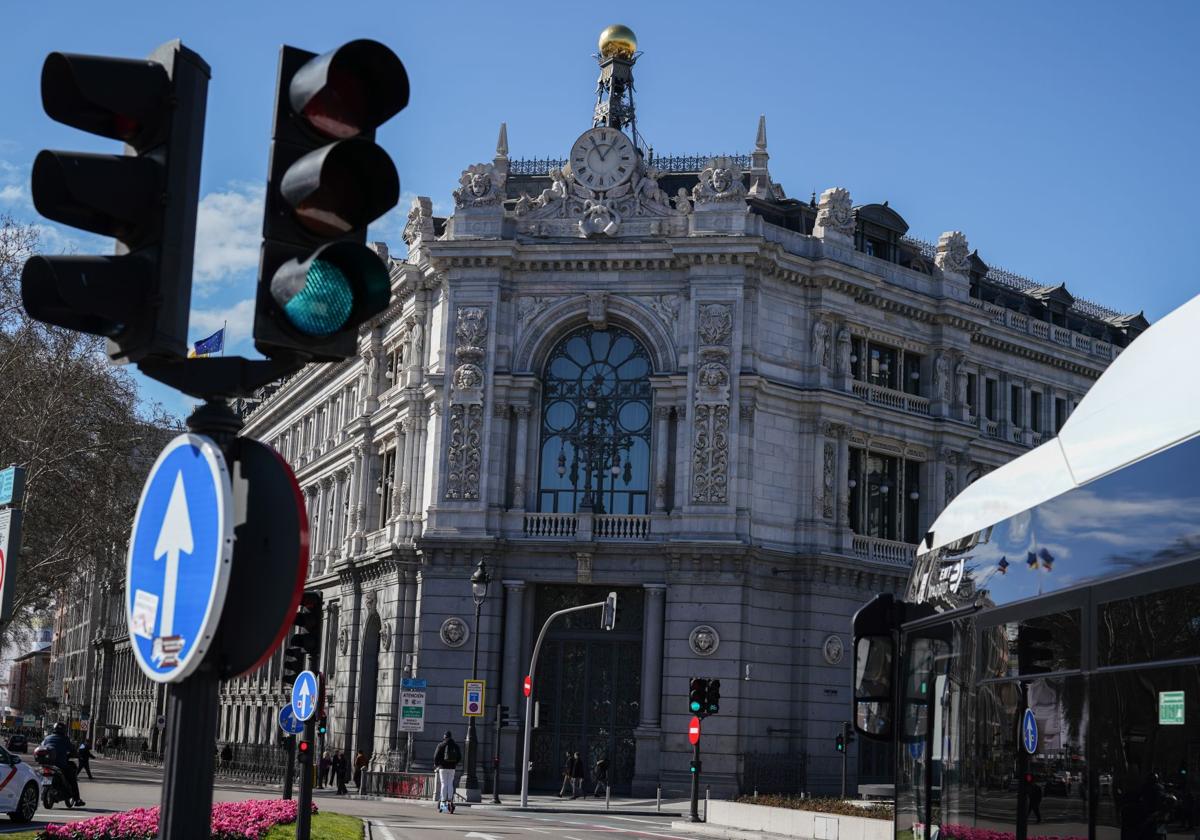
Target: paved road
119, 786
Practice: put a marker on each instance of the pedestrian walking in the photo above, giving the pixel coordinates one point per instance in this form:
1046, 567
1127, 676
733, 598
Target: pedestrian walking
577, 774
360, 764
446, 759
323, 769
226, 756
84, 754
566, 776
600, 774
340, 771
1035, 800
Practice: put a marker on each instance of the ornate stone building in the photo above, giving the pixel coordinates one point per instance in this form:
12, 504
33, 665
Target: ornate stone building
663, 377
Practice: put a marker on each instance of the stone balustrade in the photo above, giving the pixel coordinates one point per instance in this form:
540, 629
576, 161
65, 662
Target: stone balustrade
1045, 331
550, 524
880, 550
890, 398
604, 526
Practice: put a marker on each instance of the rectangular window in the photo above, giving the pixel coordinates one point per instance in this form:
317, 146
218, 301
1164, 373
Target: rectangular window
1035, 411
912, 373
1015, 406
991, 396
854, 485
973, 393
882, 367
1149, 628
385, 486
1037, 645
1060, 413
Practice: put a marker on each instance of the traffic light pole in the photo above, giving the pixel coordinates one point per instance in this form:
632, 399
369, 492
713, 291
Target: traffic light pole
289, 743
193, 703
845, 752
696, 783
496, 755
304, 806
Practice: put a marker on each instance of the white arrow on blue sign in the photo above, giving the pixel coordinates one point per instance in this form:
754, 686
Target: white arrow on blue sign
288, 722
180, 555
1029, 732
304, 695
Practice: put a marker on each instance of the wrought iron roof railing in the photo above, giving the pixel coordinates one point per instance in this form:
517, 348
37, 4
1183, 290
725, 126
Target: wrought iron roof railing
663, 163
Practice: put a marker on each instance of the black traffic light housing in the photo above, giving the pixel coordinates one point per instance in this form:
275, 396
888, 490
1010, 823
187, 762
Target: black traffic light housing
1033, 654
318, 281
840, 742
698, 696
146, 198
306, 637
712, 697
322, 723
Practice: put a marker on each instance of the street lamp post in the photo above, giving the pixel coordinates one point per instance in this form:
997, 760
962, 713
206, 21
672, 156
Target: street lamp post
479, 587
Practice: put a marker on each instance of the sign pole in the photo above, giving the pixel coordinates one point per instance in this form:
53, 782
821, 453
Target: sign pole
845, 752
696, 781
496, 755
304, 806
289, 743
193, 702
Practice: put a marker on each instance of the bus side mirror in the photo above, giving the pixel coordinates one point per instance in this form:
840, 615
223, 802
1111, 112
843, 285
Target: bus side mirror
875, 669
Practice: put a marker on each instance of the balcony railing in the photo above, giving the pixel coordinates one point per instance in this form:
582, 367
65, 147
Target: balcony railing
605, 526
1045, 331
899, 400
883, 551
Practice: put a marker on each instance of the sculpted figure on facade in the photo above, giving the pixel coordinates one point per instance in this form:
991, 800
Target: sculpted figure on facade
941, 376
835, 213
720, 183
683, 203
480, 185
820, 342
960, 379
827, 480
555, 193
599, 219
953, 253
844, 351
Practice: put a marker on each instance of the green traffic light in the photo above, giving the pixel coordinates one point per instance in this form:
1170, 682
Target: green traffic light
322, 307
695, 705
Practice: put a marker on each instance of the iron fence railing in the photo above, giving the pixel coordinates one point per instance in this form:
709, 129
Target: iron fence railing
396, 784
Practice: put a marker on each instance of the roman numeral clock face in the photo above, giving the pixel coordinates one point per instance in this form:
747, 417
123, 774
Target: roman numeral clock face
602, 158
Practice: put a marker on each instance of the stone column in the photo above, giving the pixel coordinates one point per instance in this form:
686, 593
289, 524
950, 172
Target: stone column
649, 731
662, 417
513, 676
422, 445
519, 465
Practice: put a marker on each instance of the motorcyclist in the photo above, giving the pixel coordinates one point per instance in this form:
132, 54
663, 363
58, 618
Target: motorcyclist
63, 750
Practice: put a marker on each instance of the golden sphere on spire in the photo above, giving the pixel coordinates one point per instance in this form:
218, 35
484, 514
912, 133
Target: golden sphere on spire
618, 40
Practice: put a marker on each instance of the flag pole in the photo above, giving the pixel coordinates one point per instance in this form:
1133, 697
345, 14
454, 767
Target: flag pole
224, 336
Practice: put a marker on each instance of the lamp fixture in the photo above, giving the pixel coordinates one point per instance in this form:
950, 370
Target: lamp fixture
852, 483
884, 489
914, 495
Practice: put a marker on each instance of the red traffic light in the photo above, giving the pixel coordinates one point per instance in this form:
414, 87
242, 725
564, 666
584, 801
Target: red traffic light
350, 90
303, 745
120, 98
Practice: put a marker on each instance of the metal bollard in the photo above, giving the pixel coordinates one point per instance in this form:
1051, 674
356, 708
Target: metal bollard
607, 797
707, 790
658, 800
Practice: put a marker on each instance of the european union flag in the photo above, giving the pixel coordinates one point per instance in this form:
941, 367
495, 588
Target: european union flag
213, 344
1047, 559
1003, 564
1031, 560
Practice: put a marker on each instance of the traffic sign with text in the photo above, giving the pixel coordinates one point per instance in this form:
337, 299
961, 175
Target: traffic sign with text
473, 695
180, 554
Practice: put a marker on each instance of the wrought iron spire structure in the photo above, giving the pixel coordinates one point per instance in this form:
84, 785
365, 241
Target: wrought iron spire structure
614, 89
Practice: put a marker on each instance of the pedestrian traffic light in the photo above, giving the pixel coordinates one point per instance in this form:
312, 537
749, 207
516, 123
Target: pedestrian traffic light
694, 766
146, 198
697, 695
840, 742
1033, 657
712, 698
318, 281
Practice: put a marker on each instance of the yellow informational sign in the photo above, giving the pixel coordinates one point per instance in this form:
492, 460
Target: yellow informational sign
473, 691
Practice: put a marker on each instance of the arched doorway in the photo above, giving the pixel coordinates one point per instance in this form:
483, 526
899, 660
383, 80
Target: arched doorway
368, 687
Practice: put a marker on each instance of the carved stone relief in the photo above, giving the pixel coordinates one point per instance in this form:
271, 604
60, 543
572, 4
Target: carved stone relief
820, 343
835, 214
949, 486
704, 640
844, 351
827, 480
953, 252
720, 183
710, 422
464, 441
419, 227
454, 632
480, 185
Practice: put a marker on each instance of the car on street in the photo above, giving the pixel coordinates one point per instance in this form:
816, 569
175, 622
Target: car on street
17, 743
20, 787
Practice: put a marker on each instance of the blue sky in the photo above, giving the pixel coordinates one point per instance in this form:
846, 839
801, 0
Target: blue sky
1060, 137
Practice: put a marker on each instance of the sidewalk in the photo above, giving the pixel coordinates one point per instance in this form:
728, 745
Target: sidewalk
550, 804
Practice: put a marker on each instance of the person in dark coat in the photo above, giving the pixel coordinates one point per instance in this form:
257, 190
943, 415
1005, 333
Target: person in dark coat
600, 774
360, 764
1035, 800
341, 766
577, 775
85, 757
62, 751
323, 769
566, 776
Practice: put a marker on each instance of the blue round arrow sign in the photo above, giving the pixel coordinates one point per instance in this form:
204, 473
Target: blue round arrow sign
1029, 732
180, 555
288, 722
304, 695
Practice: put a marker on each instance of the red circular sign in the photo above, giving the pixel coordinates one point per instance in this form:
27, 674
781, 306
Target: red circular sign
694, 731
528, 685
2, 578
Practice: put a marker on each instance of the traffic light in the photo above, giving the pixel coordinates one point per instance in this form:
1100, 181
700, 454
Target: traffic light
307, 635
712, 698
318, 281
840, 742
1033, 657
293, 664
698, 696
322, 723
609, 618
305, 751
694, 766
145, 198
502, 718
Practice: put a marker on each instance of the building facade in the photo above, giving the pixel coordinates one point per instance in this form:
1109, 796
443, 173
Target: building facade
660, 377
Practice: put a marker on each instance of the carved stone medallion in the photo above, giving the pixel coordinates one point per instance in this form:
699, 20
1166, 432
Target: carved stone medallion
704, 640
833, 649
344, 640
385, 636
454, 632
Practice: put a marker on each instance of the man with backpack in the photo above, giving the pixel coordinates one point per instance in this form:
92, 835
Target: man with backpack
446, 759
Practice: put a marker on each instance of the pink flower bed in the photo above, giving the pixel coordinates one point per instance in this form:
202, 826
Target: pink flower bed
966, 832
248, 820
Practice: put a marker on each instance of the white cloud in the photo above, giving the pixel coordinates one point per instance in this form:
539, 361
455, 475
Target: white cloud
237, 319
228, 234
12, 194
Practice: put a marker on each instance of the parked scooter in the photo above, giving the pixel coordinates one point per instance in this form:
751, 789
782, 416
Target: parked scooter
54, 781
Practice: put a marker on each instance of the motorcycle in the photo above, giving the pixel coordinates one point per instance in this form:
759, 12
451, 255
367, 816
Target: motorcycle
54, 781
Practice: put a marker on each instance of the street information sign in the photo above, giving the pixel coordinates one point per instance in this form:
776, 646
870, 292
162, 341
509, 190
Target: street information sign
12, 485
412, 705
694, 731
1171, 708
180, 554
304, 695
473, 697
1029, 732
288, 722
10, 550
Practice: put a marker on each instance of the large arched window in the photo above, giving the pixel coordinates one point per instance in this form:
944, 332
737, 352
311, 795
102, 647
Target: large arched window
595, 442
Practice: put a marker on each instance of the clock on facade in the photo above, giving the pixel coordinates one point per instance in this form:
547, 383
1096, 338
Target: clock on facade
602, 158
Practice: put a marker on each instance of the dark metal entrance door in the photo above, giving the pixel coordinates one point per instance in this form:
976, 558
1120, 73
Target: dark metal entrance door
590, 689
